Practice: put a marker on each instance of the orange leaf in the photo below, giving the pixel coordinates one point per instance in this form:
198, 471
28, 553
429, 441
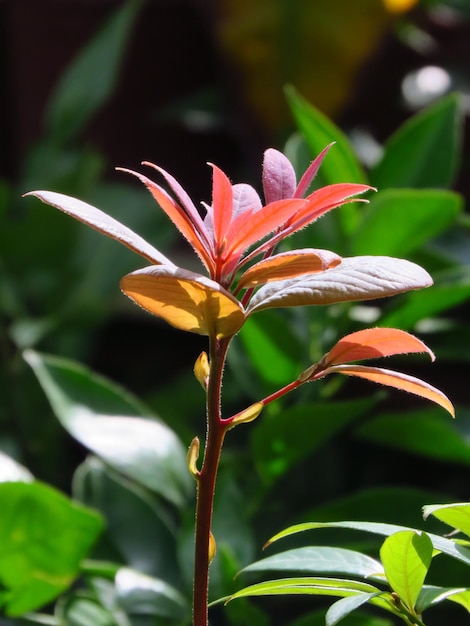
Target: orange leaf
222, 204
185, 300
287, 265
372, 343
178, 216
390, 378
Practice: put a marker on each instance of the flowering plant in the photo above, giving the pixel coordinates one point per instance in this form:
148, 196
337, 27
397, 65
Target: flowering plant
237, 241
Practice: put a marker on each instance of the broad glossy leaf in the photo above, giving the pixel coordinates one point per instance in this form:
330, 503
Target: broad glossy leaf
356, 278
44, 538
138, 594
341, 164
425, 151
440, 543
102, 417
84, 88
406, 557
430, 596
12, 471
320, 560
398, 380
462, 598
456, 515
287, 265
86, 611
103, 223
306, 586
122, 502
185, 300
342, 608
398, 221
372, 343
423, 432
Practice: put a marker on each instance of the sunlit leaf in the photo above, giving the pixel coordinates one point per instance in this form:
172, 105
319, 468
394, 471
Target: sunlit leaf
139, 594
306, 586
372, 343
356, 278
185, 300
398, 380
441, 544
103, 223
406, 557
342, 608
279, 180
44, 538
462, 598
12, 471
101, 416
456, 515
320, 560
287, 265
430, 596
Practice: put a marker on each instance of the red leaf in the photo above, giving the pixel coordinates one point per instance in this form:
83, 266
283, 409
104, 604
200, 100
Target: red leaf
392, 379
372, 343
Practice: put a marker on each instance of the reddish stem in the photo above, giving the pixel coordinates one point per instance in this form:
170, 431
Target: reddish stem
216, 430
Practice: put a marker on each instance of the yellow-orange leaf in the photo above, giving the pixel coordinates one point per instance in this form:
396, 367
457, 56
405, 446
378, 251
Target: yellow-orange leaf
393, 379
185, 300
287, 265
373, 343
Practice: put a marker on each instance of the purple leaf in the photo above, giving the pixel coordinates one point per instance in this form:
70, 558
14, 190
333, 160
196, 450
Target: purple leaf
279, 180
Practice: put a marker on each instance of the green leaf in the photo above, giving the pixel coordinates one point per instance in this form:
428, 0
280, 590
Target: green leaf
430, 596
398, 221
425, 151
320, 559
280, 440
423, 432
455, 515
450, 289
272, 347
440, 543
342, 608
83, 611
406, 557
44, 538
462, 598
341, 165
92, 76
122, 502
306, 586
359, 618
12, 471
102, 417
138, 595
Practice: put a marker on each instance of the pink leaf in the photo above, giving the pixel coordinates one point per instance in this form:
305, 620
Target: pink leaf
279, 179
311, 172
103, 223
392, 379
373, 343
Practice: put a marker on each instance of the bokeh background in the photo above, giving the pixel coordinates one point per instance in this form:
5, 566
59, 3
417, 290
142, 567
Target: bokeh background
91, 84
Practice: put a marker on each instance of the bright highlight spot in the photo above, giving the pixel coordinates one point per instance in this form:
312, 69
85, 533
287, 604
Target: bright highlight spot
399, 6
425, 85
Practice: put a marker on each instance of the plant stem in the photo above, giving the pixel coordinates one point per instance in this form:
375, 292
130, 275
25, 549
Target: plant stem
215, 434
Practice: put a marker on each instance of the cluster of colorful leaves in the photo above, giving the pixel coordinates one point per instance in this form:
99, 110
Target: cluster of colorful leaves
236, 242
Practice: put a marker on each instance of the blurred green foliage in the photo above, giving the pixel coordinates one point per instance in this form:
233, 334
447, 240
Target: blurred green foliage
330, 452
